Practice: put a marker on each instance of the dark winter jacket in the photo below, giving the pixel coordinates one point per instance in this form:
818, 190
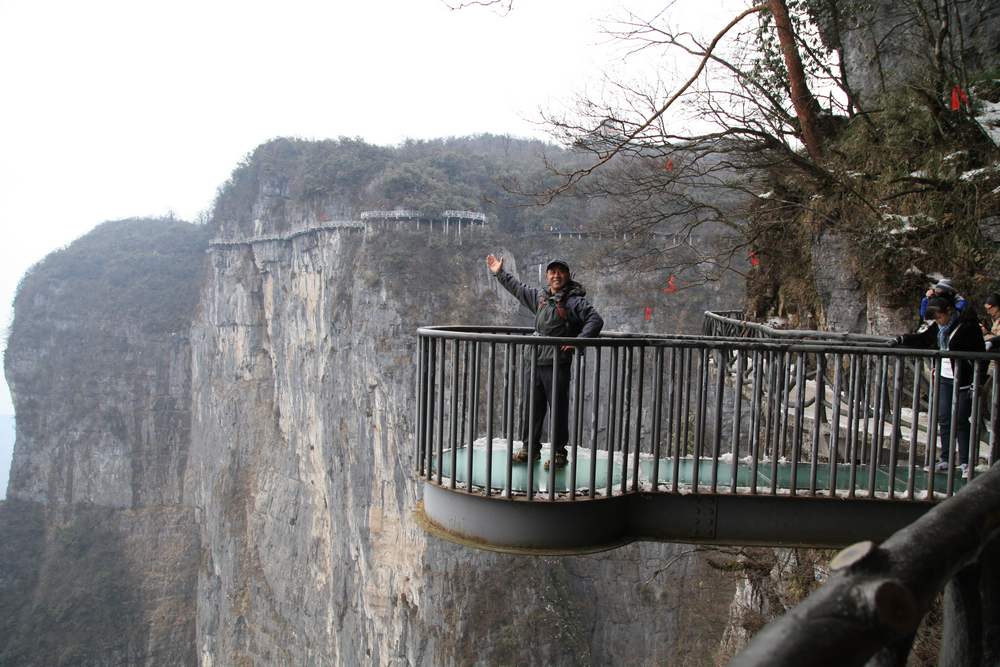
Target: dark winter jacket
965, 336
566, 313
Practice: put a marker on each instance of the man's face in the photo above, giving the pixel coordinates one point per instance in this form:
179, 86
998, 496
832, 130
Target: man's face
557, 278
942, 317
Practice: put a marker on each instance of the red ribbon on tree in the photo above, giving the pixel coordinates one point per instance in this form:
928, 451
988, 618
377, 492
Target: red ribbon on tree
669, 166
649, 313
958, 98
671, 284
754, 259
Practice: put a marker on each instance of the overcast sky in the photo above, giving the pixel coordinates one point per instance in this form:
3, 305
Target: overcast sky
115, 109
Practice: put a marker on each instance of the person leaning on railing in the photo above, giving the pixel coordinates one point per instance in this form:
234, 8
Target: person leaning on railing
561, 310
953, 332
991, 328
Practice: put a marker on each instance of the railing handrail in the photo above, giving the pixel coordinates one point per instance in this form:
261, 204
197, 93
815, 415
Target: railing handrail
525, 335
771, 332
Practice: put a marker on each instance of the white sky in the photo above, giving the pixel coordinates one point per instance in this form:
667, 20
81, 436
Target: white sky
114, 109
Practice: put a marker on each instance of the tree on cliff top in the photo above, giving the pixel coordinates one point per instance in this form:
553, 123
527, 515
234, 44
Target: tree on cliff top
764, 144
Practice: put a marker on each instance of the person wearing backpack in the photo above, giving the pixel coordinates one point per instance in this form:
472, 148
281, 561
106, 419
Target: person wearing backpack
561, 309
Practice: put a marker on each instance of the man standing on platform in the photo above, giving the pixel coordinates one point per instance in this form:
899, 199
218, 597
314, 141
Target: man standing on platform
560, 310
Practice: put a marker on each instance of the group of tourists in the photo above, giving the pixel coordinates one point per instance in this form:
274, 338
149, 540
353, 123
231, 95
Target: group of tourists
954, 326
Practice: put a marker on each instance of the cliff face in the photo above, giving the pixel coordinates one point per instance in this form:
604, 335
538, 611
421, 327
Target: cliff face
219, 460
303, 404
99, 552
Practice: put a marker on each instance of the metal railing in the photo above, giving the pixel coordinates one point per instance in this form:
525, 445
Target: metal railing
695, 414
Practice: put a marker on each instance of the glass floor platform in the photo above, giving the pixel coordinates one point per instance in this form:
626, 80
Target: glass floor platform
685, 474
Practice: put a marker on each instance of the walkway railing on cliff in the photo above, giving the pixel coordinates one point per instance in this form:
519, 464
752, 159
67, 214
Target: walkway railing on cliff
817, 418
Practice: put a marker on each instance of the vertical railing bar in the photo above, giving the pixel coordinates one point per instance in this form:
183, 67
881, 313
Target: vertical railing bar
768, 393
737, 419
873, 455
638, 416
720, 394
578, 371
974, 418
491, 374
781, 447
953, 455
699, 414
454, 415
819, 390
510, 370
897, 417
554, 400
595, 422
852, 425
779, 421
755, 420
686, 421
657, 418
418, 435
867, 405
834, 437
678, 358
883, 405
995, 414
800, 399
625, 414
612, 402
932, 427
918, 367
472, 371
441, 391
532, 436
429, 400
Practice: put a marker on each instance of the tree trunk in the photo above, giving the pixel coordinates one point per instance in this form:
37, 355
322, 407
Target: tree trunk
806, 108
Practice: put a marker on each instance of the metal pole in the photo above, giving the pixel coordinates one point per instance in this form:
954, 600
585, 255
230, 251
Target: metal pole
657, 417
638, 418
800, 399
454, 416
612, 402
625, 414
672, 418
953, 456
838, 380
737, 418
720, 391
820, 401
554, 400
511, 381
932, 427
876, 439
974, 418
440, 420
896, 434
918, 369
491, 375
852, 424
755, 421
579, 379
595, 417
532, 436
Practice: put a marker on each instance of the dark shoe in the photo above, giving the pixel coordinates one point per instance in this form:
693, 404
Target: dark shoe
560, 459
522, 456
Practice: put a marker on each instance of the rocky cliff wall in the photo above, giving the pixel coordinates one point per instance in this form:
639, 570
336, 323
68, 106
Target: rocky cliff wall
303, 401
213, 459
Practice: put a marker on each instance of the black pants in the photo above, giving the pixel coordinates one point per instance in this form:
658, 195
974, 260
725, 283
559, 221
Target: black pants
543, 400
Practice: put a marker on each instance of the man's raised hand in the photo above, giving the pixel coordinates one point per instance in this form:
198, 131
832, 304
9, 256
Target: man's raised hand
493, 263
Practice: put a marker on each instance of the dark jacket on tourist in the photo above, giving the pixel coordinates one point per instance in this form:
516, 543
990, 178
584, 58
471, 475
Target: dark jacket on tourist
964, 336
567, 313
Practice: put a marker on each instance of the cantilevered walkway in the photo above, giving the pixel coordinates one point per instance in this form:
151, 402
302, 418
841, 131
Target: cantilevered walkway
744, 435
